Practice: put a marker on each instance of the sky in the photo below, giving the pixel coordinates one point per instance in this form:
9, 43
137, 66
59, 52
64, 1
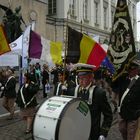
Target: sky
138, 19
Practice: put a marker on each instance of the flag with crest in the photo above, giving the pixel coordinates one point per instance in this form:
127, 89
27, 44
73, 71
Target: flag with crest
121, 49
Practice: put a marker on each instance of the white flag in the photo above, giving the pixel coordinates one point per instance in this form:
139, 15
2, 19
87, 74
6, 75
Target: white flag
25, 46
16, 46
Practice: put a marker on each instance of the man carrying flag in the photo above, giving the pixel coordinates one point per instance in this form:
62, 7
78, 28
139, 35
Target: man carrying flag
4, 46
121, 47
122, 52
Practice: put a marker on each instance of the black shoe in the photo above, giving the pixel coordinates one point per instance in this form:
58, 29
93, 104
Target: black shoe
28, 131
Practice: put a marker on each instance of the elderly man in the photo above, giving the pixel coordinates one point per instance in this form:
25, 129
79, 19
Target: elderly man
129, 110
96, 100
9, 93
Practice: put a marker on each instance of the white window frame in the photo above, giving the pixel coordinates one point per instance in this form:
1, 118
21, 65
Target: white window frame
72, 7
85, 10
96, 4
112, 14
105, 17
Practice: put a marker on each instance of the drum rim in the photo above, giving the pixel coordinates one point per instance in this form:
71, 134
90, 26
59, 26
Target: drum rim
62, 114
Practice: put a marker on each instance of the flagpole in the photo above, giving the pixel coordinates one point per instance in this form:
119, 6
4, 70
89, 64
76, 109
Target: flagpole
65, 49
66, 41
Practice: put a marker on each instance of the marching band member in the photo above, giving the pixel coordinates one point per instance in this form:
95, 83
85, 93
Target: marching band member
64, 86
26, 100
129, 107
96, 100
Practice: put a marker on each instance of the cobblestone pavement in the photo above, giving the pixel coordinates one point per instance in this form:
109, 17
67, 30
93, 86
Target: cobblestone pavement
114, 133
14, 129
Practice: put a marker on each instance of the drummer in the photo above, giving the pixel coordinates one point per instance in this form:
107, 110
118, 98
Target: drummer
97, 101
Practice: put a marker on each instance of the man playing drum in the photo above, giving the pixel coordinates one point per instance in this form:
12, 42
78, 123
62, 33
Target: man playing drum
96, 100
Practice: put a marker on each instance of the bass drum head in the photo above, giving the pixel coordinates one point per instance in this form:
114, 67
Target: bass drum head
75, 122
62, 118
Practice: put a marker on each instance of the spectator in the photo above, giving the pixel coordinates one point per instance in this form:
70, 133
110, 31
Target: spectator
45, 78
9, 93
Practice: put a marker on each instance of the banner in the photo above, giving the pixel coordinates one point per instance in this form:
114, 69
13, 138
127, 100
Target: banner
16, 46
4, 46
121, 49
25, 47
45, 50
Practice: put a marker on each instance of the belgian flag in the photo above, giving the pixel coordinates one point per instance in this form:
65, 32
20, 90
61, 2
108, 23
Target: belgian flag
83, 49
121, 49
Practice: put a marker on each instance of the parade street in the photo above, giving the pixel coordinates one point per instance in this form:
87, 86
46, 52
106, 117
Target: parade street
14, 129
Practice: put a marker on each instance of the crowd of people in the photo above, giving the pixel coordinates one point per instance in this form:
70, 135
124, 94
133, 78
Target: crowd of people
79, 81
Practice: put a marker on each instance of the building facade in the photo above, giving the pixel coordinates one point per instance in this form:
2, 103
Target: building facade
93, 17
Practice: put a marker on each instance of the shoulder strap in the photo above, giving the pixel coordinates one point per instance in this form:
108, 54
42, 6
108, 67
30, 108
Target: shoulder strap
91, 91
58, 86
9, 80
76, 91
23, 99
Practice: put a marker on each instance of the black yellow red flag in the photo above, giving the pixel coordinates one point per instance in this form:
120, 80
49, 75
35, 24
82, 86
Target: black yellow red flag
121, 46
83, 49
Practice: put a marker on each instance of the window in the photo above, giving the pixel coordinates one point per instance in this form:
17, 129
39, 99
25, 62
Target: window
52, 7
72, 7
96, 12
134, 15
105, 17
85, 9
112, 14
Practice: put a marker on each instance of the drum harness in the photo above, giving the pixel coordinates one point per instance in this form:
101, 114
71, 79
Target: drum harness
90, 89
6, 84
8, 80
23, 99
59, 84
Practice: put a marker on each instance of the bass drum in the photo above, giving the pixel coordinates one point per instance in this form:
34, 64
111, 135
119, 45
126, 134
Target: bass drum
62, 118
